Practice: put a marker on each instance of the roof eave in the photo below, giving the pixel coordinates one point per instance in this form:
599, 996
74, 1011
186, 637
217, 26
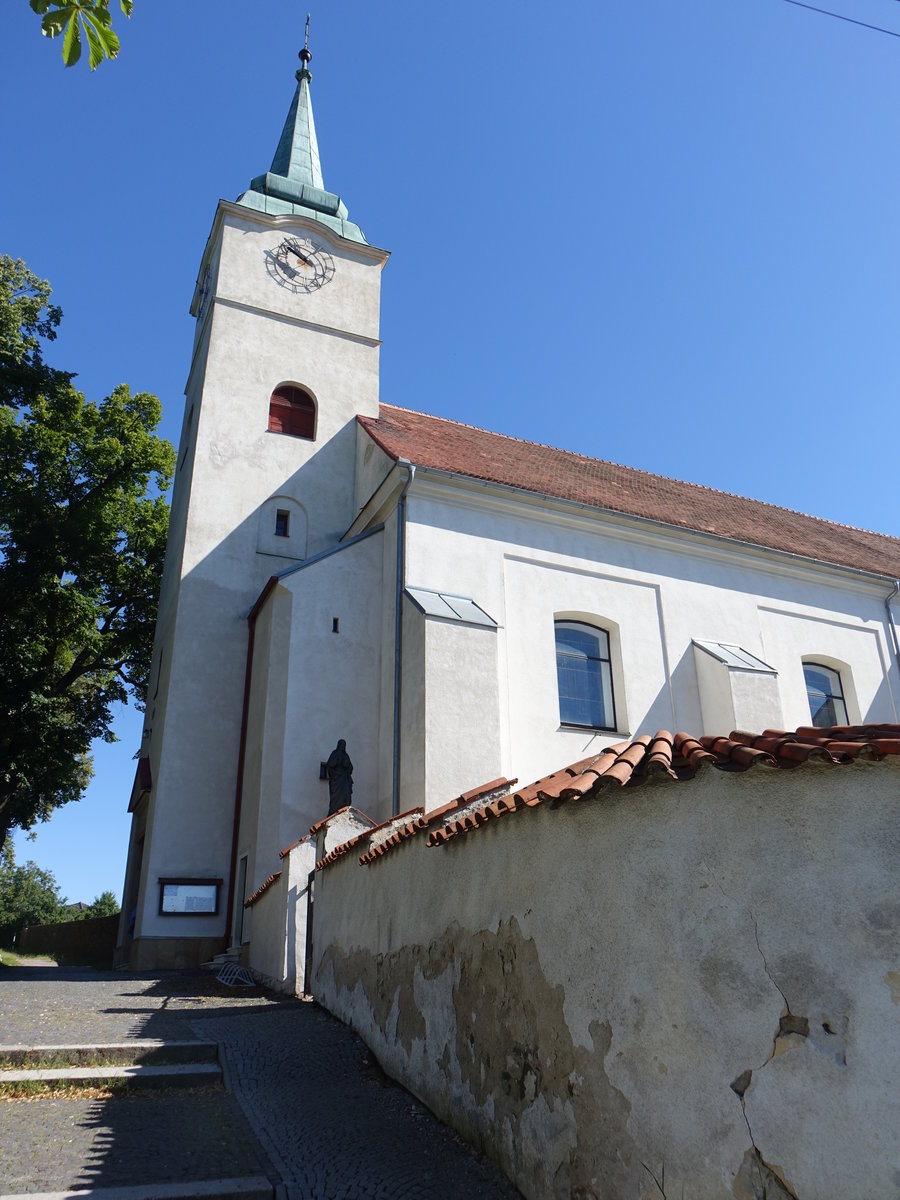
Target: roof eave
382, 498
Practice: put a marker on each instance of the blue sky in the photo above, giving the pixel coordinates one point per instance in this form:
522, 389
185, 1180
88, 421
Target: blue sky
664, 235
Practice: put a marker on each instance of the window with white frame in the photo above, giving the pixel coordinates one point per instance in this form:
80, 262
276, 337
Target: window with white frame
826, 695
584, 676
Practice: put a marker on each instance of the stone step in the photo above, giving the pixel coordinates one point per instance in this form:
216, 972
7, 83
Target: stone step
170, 1075
251, 1187
231, 955
144, 1052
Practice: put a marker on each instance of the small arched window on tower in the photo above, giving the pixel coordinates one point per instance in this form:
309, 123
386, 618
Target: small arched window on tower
292, 410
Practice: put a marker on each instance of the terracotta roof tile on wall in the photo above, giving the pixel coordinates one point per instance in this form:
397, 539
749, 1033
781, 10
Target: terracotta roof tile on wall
662, 757
680, 758
462, 449
263, 887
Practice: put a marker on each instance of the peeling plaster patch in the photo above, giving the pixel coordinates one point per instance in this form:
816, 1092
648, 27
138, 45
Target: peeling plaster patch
740, 1085
792, 1032
503, 1066
892, 979
757, 1180
785, 1043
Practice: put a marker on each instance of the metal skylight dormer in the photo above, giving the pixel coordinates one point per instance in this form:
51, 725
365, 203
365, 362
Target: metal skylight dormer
449, 607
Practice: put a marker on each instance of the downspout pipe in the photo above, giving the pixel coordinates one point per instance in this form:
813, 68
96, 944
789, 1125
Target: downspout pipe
890, 614
398, 627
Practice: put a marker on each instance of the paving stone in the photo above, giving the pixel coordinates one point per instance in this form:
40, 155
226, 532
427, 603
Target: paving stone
307, 1105
58, 1144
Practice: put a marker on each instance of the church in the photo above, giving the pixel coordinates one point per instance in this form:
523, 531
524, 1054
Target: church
454, 605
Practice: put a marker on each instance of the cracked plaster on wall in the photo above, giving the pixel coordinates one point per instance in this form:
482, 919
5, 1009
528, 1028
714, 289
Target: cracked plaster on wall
703, 949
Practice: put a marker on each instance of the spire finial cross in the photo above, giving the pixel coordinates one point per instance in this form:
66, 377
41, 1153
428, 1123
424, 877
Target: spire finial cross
305, 55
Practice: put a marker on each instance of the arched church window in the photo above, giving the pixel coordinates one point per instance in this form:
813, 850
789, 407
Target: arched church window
584, 676
292, 411
826, 695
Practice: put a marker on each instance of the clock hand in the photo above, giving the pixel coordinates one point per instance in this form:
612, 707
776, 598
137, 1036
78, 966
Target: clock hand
293, 248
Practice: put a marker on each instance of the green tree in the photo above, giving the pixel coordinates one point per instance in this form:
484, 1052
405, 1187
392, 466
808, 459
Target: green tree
83, 523
104, 905
72, 18
28, 895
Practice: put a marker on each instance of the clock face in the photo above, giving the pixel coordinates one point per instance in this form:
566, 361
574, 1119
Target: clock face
299, 265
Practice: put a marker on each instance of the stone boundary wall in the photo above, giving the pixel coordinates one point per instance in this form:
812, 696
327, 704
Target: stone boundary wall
702, 976
91, 940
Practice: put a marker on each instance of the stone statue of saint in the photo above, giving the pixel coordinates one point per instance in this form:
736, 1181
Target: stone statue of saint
339, 770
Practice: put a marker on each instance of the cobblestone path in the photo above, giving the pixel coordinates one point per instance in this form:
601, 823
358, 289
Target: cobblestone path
307, 1106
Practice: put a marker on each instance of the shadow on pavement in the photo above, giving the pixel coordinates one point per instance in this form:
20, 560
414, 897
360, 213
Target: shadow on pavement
308, 1105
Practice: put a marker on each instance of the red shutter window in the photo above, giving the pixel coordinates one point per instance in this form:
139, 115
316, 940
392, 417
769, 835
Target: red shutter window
292, 411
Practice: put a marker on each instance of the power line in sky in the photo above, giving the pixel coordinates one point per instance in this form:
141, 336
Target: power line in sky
840, 17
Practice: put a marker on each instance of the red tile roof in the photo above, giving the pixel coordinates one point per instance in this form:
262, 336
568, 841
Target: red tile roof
462, 449
263, 887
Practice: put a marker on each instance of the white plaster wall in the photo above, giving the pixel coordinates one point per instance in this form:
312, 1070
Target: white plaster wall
254, 336
631, 958
372, 468
268, 942
716, 699
839, 639
333, 685
299, 865
655, 590
260, 824
386, 691
413, 702
757, 702
461, 710
349, 302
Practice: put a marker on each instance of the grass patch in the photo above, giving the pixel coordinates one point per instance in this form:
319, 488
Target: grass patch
9, 958
60, 1089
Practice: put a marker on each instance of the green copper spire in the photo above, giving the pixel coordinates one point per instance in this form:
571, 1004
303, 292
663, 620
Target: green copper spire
293, 183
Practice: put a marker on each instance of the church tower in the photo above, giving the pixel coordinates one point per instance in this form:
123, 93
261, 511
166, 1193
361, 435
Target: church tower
285, 357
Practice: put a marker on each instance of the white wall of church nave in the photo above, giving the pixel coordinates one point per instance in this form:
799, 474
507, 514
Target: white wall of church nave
350, 301
654, 595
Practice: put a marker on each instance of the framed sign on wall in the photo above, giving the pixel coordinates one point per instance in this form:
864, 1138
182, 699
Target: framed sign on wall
183, 897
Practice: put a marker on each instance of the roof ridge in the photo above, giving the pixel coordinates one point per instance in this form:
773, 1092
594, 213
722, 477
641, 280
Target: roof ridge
701, 487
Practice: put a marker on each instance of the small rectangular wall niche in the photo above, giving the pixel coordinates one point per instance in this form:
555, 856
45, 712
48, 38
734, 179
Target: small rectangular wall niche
335, 625
282, 523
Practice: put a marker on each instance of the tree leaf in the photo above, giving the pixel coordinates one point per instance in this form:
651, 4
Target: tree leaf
102, 41
55, 22
71, 50
97, 12
39, 6
82, 542
127, 6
